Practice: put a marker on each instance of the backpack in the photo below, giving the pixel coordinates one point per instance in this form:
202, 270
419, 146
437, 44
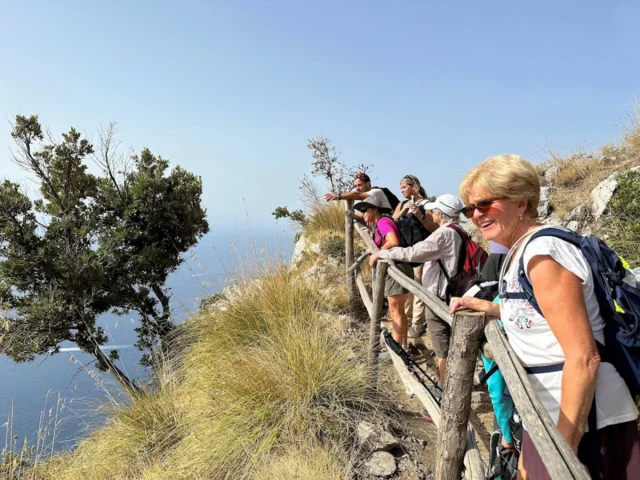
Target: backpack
470, 261
403, 240
411, 229
619, 302
393, 200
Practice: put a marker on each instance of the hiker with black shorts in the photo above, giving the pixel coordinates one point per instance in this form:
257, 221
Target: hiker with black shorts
386, 235
443, 246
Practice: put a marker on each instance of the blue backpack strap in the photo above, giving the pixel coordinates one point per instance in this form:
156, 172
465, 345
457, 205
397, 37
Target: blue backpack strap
556, 367
527, 293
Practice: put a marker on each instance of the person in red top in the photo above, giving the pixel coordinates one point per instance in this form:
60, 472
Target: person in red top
386, 235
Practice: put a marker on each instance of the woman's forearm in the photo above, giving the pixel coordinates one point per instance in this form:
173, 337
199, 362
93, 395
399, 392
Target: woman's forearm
476, 304
578, 387
389, 244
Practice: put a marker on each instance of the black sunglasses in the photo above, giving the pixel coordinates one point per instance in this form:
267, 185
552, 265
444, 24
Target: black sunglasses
483, 206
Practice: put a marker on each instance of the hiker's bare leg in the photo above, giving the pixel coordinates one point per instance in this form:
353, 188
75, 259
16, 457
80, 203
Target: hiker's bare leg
442, 367
399, 319
522, 473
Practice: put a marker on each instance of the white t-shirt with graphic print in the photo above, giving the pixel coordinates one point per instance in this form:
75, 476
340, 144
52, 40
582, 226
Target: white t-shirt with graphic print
535, 344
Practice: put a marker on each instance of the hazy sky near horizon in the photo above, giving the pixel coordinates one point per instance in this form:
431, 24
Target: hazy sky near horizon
232, 90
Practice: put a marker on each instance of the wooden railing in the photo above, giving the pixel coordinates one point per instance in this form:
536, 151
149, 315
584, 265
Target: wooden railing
454, 418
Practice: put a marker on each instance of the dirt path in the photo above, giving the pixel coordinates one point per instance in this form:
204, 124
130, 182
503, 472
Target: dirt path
417, 432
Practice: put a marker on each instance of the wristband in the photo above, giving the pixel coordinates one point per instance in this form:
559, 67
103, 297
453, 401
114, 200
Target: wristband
339, 196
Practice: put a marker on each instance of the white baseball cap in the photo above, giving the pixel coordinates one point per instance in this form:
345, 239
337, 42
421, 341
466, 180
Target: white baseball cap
448, 204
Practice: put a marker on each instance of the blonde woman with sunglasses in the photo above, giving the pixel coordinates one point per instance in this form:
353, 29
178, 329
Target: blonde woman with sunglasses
557, 348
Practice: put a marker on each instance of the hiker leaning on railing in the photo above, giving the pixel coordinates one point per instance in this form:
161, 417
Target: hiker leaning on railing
386, 235
440, 251
557, 346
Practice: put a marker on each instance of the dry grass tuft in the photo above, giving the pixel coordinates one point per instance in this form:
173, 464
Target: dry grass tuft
577, 169
307, 463
632, 135
261, 375
324, 219
137, 437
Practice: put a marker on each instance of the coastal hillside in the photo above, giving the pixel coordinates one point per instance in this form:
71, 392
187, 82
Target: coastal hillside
269, 380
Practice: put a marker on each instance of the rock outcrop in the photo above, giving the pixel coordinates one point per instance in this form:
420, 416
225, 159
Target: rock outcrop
303, 245
594, 208
381, 464
375, 438
603, 193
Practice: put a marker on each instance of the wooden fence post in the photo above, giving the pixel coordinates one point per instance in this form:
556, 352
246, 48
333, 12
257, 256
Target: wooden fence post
376, 318
349, 255
466, 334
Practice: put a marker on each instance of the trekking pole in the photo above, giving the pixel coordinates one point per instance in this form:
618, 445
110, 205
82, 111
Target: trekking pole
408, 361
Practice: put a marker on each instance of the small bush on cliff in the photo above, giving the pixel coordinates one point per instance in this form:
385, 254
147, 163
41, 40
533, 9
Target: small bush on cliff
318, 216
333, 246
623, 221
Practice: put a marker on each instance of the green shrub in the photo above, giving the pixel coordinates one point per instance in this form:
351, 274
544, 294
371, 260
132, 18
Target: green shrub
333, 246
624, 222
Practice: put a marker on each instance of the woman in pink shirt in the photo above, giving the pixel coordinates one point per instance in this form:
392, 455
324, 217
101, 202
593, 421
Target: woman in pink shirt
386, 235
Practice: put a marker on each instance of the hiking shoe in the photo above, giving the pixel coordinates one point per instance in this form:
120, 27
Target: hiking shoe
416, 331
418, 353
494, 442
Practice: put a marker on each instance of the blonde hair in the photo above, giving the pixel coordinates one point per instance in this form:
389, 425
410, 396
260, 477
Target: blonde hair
413, 180
508, 176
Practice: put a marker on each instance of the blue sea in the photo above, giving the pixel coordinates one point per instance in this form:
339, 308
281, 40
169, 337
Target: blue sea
59, 399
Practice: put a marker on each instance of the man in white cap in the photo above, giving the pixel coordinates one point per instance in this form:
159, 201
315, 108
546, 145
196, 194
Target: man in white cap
443, 246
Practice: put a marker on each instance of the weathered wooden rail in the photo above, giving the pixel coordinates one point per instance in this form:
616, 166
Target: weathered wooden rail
456, 442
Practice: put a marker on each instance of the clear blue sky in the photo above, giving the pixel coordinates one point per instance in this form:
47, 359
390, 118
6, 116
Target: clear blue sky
232, 90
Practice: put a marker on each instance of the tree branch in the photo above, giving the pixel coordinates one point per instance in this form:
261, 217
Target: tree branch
31, 164
106, 160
